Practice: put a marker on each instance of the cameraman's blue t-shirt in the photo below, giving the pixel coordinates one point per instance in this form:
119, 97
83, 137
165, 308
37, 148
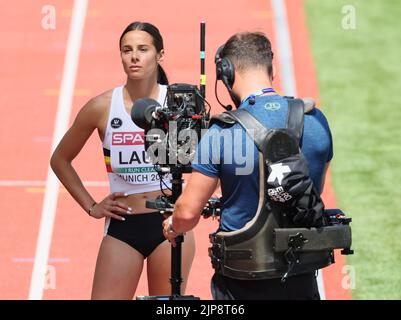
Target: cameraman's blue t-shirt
226, 152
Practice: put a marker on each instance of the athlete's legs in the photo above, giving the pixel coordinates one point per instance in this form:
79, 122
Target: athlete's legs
118, 269
159, 266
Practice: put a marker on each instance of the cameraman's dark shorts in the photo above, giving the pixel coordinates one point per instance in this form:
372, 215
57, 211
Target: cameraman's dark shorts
143, 232
302, 287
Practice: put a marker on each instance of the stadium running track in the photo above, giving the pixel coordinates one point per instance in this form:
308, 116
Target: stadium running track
33, 77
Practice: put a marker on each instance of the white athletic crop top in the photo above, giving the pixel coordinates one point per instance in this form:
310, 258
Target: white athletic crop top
128, 166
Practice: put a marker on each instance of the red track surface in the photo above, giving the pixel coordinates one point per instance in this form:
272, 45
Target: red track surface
32, 64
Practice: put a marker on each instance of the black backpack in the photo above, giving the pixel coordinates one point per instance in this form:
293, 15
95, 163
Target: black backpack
290, 192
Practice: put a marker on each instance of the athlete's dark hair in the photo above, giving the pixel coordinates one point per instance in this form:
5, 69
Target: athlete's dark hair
157, 42
249, 49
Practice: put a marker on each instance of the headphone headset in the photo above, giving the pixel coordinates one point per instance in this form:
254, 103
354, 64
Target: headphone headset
225, 72
224, 69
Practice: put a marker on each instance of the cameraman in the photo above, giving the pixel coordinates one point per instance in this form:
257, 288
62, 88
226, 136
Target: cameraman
251, 90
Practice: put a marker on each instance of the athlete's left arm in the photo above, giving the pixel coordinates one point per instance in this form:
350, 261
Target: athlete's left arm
189, 206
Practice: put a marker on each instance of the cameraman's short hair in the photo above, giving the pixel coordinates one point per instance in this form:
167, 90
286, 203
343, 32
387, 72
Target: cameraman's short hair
249, 50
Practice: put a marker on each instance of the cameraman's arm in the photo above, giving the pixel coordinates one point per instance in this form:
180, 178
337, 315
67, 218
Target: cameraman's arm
190, 204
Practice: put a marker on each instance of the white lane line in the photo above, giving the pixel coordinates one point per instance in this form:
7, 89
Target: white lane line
61, 125
42, 183
284, 47
287, 73
320, 284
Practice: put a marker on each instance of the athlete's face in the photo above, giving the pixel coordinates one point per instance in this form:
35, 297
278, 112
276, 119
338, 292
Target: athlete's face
139, 56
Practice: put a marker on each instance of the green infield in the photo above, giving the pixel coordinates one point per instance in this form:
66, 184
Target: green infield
358, 64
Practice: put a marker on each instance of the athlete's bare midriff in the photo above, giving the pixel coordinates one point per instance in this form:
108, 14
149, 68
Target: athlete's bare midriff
138, 201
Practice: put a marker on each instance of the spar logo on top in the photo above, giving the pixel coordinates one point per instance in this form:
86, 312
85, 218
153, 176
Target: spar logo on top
128, 138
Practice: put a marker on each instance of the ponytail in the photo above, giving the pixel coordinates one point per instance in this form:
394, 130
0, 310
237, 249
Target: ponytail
161, 76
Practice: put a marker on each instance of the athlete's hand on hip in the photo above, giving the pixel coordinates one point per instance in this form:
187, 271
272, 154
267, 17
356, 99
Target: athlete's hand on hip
169, 234
110, 207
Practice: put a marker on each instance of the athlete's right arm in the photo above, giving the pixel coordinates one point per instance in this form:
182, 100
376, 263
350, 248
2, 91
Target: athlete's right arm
69, 147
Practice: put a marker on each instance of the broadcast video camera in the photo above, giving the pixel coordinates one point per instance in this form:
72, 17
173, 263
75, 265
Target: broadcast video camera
172, 131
